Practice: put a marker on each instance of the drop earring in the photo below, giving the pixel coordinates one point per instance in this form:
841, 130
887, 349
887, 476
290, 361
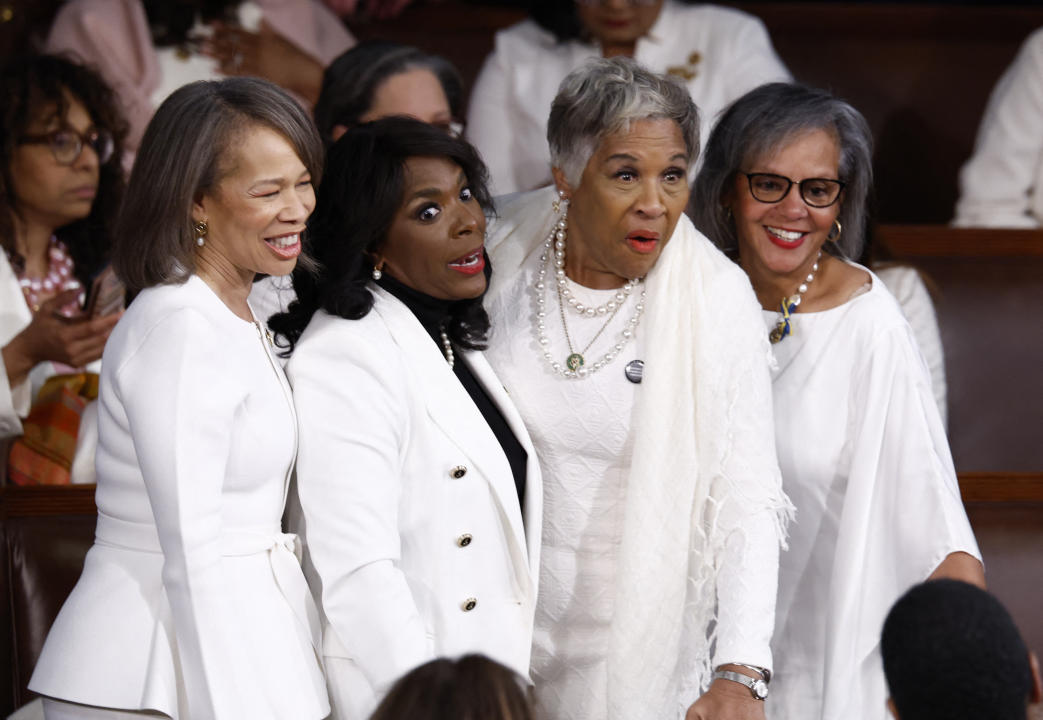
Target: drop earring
201, 231
377, 274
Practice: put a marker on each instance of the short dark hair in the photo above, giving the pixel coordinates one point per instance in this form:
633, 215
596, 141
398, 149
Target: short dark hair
181, 158
363, 190
471, 688
29, 86
952, 652
350, 82
762, 121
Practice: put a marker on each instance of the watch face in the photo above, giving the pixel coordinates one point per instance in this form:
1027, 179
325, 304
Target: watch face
760, 689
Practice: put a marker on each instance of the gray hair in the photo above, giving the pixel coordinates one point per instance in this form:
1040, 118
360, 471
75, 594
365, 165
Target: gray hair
183, 155
758, 124
603, 97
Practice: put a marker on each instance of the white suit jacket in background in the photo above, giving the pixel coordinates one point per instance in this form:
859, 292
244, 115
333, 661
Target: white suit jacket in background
192, 601
724, 51
412, 519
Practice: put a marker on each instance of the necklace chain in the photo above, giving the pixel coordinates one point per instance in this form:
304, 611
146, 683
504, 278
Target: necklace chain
575, 365
447, 349
789, 305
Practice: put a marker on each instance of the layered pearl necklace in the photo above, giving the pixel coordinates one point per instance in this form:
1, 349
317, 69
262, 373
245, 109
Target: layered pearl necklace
575, 365
789, 305
59, 276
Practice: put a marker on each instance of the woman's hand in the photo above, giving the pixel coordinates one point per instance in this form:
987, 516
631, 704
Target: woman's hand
726, 700
268, 55
51, 336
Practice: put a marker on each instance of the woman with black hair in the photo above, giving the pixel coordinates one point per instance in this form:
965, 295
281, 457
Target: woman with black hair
420, 490
60, 184
718, 52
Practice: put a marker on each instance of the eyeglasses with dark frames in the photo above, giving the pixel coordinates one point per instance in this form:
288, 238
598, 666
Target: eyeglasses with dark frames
816, 192
67, 144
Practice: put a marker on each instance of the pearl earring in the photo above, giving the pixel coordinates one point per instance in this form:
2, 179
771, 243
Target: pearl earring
201, 231
377, 274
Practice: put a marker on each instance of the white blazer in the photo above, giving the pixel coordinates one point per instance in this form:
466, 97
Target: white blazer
191, 601
412, 519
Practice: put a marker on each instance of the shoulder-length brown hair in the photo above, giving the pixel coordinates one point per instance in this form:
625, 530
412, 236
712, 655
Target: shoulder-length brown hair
180, 160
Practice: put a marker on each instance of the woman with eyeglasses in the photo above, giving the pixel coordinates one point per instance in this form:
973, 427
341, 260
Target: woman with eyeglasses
718, 52
863, 453
60, 183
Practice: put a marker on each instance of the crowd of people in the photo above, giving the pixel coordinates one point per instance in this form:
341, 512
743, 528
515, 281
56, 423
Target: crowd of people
639, 439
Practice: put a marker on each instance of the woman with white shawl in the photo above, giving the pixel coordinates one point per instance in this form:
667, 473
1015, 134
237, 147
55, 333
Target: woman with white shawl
663, 506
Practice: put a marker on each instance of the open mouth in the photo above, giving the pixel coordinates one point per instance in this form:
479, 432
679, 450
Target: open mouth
643, 241
785, 238
470, 264
285, 246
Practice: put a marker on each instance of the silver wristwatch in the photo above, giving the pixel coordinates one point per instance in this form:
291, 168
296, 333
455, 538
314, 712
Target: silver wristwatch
758, 686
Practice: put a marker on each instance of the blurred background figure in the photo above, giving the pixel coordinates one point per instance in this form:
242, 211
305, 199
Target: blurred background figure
951, 651
380, 79
718, 52
192, 602
471, 688
61, 140
783, 189
1002, 184
146, 49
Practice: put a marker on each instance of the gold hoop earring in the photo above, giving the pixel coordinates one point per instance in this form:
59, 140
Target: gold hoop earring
834, 236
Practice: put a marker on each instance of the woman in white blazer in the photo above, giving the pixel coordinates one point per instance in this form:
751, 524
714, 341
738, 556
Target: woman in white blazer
420, 490
192, 603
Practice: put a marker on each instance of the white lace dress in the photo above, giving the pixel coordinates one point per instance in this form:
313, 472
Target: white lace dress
582, 432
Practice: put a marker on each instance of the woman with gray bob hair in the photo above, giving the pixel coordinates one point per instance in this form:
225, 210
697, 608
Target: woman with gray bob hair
861, 444
197, 591
632, 348
605, 100
755, 126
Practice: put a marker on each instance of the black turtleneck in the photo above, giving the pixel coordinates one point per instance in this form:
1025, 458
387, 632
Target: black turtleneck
434, 314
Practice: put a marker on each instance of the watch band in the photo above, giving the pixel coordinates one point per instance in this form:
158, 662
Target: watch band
764, 672
758, 687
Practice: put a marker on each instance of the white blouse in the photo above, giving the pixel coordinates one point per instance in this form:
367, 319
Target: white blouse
583, 434
865, 461
722, 53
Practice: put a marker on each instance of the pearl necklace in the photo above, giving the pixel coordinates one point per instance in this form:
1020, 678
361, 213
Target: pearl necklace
789, 305
575, 365
447, 350
59, 276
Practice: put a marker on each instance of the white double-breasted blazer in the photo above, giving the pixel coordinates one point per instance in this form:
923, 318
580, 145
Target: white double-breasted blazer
411, 516
192, 601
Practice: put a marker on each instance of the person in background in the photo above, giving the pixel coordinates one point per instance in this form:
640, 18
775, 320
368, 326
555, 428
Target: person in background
783, 188
146, 49
1002, 183
192, 602
951, 651
380, 79
718, 52
470, 688
420, 490
633, 349
60, 184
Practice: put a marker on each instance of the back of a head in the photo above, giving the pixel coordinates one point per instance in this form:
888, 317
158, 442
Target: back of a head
471, 688
951, 652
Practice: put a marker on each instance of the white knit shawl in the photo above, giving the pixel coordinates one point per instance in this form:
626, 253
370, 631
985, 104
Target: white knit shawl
704, 438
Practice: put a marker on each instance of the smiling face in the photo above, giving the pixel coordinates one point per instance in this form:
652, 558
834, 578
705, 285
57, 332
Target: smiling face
436, 242
631, 194
618, 25
45, 191
778, 242
258, 208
